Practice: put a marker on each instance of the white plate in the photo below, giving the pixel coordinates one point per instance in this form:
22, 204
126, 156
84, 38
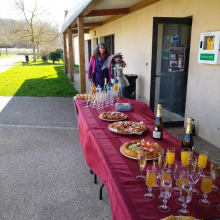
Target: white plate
114, 119
115, 131
134, 158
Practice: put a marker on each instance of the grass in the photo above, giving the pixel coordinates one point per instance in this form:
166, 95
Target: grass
6, 56
40, 79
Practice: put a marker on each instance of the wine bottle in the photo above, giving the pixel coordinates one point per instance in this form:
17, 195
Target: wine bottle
105, 86
193, 128
158, 124
187, 141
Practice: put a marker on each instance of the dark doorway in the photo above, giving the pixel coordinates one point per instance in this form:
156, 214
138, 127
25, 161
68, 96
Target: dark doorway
110, 43
89, 49
169, 71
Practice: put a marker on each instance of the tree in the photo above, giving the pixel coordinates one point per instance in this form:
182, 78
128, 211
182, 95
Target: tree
55, 55
31, 28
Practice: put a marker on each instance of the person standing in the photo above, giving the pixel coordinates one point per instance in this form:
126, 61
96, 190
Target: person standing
95, 73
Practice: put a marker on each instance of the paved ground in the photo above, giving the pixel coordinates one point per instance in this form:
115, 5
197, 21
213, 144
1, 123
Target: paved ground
7, 63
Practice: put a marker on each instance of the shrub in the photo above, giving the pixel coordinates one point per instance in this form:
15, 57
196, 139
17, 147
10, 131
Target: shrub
44, 56
55, 55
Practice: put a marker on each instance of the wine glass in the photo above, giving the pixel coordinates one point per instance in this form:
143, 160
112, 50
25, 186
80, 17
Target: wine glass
165, 174
177, 168
158, 174
191, 163
170, 156
203, 157
206, 187
195, 177
215, 166
166, 190
185, 155
87, 100
183, 179
186, 196
150, 182
142, 161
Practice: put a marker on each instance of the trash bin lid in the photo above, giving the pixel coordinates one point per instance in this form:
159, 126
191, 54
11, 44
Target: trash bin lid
131, 76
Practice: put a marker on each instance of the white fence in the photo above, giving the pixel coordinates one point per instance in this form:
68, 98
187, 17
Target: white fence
16, 51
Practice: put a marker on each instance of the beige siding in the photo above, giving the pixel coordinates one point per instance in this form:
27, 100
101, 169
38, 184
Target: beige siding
133, 38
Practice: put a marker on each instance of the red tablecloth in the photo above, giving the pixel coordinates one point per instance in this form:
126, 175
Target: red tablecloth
101, 149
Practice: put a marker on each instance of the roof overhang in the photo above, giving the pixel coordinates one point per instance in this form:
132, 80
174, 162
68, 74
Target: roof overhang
100, 12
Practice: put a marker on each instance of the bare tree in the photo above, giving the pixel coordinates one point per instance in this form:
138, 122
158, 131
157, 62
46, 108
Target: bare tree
31, 28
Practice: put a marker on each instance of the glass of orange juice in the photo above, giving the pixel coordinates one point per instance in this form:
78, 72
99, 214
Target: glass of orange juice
206, 187
170, 156
203, 157
185, 155
150, 182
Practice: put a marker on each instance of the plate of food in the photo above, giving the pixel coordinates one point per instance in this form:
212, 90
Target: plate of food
171, 217
128, 127
81, 96
112, 116
129, 149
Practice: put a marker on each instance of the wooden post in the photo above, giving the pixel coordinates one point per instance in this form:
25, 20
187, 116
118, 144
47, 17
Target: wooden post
80, 21
65, 53
70, 41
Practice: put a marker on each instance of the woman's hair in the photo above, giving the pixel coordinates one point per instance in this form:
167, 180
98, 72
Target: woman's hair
96, 52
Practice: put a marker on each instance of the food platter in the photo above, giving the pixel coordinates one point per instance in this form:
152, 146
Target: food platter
128, 129
115, 119
134, 158
81, 96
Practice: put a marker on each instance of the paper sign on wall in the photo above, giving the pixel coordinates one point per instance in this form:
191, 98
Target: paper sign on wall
176, 59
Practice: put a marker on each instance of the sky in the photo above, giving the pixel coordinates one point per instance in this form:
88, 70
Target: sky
55, 8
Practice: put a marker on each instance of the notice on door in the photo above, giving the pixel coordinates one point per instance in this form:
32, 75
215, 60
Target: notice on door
176, 59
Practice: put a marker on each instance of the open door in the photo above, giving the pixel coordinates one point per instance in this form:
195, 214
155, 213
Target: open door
169, 71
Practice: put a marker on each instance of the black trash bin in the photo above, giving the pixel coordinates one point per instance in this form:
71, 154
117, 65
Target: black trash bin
26, 58
130, 91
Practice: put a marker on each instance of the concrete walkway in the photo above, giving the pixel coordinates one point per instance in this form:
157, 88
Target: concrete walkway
43, 171
7, 63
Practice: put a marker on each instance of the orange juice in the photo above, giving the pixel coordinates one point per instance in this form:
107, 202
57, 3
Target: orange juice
181, 181
206, 185
203, 160
93, 89
150, 179
185, 156
170, 157
115, 87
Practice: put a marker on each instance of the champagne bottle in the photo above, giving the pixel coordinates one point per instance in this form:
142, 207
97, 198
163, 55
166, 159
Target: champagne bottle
187, 140
193, 128
105, 86
158, 124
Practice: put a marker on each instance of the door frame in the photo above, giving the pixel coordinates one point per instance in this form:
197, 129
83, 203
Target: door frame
156, 22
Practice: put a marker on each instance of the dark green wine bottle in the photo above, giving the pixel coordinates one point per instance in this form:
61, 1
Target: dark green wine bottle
188, 141
158, 124
193, 128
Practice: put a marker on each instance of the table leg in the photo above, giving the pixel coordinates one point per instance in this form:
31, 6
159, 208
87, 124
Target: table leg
100, 191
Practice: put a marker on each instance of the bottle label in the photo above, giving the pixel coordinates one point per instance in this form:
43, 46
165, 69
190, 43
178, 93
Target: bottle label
157, 134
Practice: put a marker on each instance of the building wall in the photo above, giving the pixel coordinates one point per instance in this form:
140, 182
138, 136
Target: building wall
133, 38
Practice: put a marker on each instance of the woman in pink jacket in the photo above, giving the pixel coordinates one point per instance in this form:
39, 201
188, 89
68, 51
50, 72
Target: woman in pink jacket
95, 72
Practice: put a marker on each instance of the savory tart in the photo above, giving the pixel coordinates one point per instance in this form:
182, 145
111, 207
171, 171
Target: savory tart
81, 96
130, 148
112, 116
128, 127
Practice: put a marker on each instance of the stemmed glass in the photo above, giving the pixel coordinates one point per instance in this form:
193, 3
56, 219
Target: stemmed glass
142, 161
105, 98
186, 196
203, 157
177, 168
150, 182
183, 179
117, 95
215, 167
166, 190
93, 100
87, 100
191, 163
112, 97
99, 100
195, 177
158, 174
165, 174
206, 187
185, 155
170, 156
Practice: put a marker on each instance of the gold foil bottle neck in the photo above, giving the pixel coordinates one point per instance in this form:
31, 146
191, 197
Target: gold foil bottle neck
189, 126
159, 107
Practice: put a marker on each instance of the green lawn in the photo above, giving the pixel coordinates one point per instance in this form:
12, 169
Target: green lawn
39, 79
6, 56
